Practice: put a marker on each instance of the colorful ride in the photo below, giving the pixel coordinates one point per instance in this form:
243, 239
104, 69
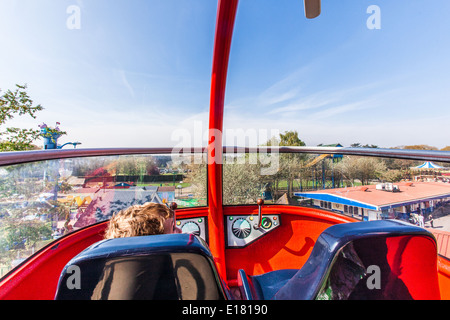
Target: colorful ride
230, 249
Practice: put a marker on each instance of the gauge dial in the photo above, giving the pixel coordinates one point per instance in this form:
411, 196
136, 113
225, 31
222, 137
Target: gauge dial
241, 228
266, 223
191, 227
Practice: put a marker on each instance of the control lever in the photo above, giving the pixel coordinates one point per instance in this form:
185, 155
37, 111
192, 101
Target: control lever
173, 206
260, 203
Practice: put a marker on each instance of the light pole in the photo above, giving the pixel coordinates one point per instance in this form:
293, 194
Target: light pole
72, 143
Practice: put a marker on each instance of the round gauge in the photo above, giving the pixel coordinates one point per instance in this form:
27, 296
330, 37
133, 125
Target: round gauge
241, 228
266, 223
191, 227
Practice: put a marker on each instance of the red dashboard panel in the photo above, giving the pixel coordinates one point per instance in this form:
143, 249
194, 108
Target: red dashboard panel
286, 247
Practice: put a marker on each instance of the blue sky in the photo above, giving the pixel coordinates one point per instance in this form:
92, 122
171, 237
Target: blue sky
137, 73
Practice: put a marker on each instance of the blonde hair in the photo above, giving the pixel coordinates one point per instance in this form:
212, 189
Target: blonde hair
138, 220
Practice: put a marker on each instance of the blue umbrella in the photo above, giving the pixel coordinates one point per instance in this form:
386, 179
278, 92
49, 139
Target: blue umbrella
428, 165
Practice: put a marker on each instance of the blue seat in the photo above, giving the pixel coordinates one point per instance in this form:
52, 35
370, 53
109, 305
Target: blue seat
339, 266
156, 267
264, 286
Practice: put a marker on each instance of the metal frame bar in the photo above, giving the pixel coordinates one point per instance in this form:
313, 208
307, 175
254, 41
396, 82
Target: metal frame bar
18, 157
226, 15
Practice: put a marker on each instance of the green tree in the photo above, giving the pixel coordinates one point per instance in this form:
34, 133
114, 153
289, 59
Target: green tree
242, 182
13, 103
197, 178
290, 138
359, 145
291, 165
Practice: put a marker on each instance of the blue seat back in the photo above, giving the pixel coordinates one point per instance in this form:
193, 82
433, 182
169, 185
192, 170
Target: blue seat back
157, 267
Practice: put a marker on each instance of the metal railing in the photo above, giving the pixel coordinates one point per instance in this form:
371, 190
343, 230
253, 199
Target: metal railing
18, 157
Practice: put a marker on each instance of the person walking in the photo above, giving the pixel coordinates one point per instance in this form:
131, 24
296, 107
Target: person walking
430, 217
421, 222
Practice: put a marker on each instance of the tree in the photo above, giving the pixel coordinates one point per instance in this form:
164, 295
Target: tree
290, 138
242, 182
243, 178
361, 168
23, 228
291, 165
420, 147
151, 167
359, 145
197, 178
14, 103
392, 175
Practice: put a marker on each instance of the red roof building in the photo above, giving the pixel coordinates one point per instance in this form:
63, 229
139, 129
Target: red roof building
374, 202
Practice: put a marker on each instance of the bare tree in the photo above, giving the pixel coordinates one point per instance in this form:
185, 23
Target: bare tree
361, 168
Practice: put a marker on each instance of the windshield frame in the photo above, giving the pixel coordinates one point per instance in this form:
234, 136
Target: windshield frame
19, 157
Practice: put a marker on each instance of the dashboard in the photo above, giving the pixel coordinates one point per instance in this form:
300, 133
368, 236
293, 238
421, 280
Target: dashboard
196, 226
240, 230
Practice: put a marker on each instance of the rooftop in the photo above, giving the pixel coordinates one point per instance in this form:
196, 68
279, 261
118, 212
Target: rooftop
372, 198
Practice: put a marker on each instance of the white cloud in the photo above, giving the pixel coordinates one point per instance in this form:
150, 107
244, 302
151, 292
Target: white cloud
125, 83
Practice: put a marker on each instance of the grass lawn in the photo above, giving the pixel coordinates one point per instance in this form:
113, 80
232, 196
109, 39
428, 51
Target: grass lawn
164, 184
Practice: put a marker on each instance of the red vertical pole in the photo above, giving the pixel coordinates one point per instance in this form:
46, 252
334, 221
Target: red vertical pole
226, 13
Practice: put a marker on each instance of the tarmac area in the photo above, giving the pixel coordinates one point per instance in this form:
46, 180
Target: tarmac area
439, 224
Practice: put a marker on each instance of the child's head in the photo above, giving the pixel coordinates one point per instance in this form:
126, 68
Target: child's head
141, 220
